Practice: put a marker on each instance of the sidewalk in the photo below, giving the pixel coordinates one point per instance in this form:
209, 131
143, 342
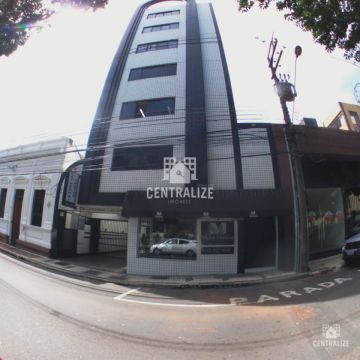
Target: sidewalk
77, 269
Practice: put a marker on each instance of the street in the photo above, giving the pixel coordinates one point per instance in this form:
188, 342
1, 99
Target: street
48, 316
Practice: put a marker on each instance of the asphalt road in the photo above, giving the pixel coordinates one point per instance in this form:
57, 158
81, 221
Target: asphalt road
47, 316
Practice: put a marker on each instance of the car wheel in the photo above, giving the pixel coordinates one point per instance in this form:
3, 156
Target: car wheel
190, 253
348, 262
157, 252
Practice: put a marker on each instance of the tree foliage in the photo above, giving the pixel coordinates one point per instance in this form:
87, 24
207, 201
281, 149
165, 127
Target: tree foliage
18, 17
333, 23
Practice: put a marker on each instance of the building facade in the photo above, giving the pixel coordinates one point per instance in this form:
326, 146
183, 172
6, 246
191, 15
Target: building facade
348, 118
29, 176
168, 168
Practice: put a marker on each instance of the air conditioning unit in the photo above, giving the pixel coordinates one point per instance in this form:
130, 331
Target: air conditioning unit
311, 122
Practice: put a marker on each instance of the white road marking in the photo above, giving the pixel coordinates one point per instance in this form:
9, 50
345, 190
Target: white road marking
119, 297
174, 305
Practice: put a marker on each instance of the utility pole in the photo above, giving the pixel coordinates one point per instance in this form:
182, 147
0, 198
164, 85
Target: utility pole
286, 92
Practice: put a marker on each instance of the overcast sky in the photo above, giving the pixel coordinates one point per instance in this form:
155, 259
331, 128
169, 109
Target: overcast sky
51, 86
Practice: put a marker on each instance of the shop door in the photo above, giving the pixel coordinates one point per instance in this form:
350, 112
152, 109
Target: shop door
16, 218
260, 237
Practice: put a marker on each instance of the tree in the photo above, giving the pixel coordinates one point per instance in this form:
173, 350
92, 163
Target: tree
333, 23
18, 17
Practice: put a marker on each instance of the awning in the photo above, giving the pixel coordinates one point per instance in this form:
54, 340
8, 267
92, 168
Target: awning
226, 203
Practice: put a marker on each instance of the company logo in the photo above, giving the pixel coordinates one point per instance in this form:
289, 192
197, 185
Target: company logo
180, 173
331, 337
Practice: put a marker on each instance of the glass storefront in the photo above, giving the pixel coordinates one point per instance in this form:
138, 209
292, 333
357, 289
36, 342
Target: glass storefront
352, 212
325, 219
167, 238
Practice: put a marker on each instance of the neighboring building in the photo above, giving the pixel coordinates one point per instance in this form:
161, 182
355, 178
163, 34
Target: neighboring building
167, 160
331, 166
348, 118
29, 176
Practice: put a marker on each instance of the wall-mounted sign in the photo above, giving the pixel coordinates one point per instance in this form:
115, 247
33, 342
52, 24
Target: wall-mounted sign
71, 189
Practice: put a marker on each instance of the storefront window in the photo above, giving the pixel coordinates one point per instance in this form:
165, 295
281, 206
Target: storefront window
353, 212
167, 238
217, 237
325, 220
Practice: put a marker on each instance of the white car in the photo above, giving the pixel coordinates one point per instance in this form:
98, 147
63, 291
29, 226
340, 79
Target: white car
175, 246
351, 249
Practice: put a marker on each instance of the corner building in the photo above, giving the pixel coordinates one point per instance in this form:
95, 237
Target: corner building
168, 95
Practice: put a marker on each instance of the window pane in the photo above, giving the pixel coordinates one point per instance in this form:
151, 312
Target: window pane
140, 158
38, 206
164, 13
152, 71
161, 45
168, 238
135, 74
142, 48
151, 107
161, 107
128, 110
326, 226
2, 202
148, 29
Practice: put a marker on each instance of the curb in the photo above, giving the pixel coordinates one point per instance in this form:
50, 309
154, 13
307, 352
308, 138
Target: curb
257, 280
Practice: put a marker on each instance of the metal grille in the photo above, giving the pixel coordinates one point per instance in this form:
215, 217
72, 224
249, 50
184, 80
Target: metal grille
113, 236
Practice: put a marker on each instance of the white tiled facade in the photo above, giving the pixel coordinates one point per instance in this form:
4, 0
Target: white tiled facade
135, 130
256, 161
257, 172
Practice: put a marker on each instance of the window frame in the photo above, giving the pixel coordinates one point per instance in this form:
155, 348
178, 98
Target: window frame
144, 164
3, 201
162, 45
36, 214
125, 113
168, 70
161, 27
163, 14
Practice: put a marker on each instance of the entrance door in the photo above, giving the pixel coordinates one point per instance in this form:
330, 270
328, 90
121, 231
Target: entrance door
16, 218
260, 242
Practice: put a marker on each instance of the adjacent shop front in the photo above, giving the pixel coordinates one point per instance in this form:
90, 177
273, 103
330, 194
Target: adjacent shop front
331, 164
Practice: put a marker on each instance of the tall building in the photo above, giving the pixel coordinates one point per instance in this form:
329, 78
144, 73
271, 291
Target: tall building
168, 171
347, 118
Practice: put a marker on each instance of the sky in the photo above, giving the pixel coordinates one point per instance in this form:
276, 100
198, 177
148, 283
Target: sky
51, 86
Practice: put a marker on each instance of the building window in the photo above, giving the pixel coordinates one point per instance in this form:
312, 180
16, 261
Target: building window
140, 158
166, 238
153, 71
355, 119
161, 27
2, 202
217, 237
159, 45
151, 107
164, 13
38, 206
